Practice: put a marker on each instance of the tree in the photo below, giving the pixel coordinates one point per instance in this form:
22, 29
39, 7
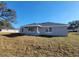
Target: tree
7, 14
73, 25
8, 25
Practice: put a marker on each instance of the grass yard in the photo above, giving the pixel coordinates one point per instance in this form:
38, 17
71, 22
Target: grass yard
22, 45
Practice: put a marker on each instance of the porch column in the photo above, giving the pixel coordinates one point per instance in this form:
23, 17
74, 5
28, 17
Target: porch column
37, 30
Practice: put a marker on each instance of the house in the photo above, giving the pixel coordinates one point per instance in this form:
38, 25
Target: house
10, 30
47, 28
77, 29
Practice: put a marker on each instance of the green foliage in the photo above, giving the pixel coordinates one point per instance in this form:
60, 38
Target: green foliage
73, 25
5, 25
7, 16
6, 13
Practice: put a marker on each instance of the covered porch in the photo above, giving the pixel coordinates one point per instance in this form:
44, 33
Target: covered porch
32, 30
37, 30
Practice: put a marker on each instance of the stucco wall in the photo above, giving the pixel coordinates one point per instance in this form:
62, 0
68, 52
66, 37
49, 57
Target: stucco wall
56, 31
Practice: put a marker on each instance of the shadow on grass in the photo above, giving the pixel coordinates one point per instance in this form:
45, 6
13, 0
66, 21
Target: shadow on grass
49, 36
76, 34
13, 35
19, 34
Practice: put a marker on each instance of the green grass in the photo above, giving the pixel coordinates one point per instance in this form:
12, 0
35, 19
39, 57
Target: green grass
39, 46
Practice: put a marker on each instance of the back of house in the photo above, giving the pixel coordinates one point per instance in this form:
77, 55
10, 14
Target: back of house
47, 28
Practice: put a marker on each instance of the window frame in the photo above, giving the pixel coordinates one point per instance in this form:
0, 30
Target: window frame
49, 29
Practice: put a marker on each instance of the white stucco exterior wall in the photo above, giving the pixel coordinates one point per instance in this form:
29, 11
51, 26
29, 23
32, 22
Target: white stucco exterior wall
56, 31
9, 30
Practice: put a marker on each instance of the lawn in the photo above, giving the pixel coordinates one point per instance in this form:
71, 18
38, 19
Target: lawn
12, 44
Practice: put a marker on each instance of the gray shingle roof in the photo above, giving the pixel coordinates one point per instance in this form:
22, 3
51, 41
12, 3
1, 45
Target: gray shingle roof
47, 24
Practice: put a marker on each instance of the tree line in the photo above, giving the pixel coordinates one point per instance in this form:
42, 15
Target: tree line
73, 25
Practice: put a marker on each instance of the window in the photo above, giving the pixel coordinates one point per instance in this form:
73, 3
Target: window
46, 30
49, 29
31, 29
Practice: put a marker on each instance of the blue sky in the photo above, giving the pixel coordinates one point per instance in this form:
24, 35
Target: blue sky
35, 12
